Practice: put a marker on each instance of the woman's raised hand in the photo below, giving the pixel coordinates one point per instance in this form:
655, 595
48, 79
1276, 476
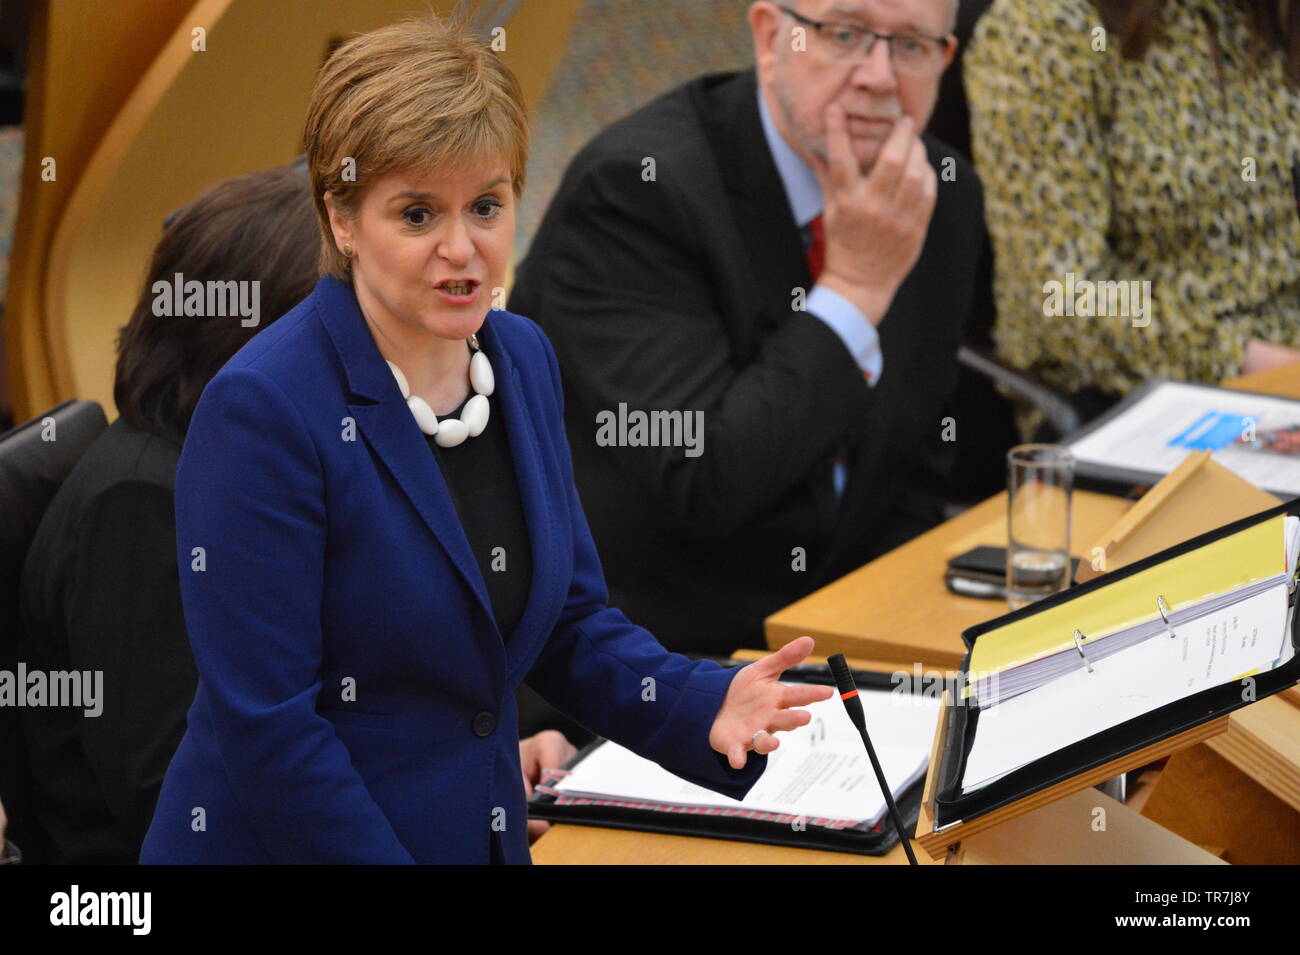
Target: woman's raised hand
758, 704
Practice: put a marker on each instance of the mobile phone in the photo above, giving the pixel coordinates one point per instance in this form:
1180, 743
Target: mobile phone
982, 572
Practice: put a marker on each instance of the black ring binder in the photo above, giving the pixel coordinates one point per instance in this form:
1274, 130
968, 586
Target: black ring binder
953, 806
1164, 615
1078, 645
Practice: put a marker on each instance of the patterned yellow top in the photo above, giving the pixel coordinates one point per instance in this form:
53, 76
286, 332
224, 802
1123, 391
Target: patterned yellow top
1098, 169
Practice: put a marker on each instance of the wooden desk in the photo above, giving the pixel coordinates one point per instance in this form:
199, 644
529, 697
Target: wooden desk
592, 845
897, 607
1239, 790
1063, 830
896, 611
1051, 833
1283, 382
588, 845
1263, 739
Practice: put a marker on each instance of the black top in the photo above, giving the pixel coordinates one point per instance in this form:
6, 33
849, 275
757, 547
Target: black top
100, 592
481, 479
480, 476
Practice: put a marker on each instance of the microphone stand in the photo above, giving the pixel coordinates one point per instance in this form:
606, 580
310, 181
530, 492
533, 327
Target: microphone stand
849, 695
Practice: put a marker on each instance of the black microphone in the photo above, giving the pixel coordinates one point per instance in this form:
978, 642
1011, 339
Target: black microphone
849, 695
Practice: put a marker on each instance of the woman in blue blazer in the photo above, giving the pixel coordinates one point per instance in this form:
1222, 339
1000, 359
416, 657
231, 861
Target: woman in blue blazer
351, 484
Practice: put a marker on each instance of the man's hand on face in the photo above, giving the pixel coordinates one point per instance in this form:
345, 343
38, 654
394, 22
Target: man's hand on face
875, 223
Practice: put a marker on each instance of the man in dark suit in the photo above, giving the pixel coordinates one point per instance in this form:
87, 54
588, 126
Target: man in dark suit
778, 256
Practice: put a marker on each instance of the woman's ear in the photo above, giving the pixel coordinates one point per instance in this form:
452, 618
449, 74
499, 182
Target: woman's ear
339, 224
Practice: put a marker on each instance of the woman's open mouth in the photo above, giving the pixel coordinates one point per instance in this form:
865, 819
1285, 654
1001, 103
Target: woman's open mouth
458, 291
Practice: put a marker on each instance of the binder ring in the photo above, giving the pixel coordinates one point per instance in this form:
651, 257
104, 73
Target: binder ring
1078, 645
1164, 615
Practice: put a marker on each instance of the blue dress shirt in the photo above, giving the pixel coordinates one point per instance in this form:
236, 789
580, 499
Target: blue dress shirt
806, 203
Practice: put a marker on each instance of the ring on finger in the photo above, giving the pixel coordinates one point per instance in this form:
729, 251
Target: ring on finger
753, 740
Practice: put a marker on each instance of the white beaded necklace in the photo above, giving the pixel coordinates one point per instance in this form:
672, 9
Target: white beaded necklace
450, 432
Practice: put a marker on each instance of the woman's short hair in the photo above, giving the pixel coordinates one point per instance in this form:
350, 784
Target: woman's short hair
417, 95
257, 227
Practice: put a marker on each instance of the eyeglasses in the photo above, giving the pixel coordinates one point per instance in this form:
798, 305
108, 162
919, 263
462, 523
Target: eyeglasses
912, 54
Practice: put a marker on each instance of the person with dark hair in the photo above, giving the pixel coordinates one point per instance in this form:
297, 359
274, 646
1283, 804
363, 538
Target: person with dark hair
1142, 155
248, 231
100, 589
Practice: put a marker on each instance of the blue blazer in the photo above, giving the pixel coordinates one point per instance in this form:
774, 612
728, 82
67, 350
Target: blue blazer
356, 698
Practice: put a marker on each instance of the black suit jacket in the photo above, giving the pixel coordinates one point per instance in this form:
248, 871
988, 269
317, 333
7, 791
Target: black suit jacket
100, 592
664, 273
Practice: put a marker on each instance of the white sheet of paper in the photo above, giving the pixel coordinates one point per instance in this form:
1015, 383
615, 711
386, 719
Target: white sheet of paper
1204, 653
820, 770
1140, 437
1292, 525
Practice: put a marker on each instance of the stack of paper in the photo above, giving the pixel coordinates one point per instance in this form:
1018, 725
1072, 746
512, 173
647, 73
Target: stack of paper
1043, 647
1148, 435
820, 773
1217, 637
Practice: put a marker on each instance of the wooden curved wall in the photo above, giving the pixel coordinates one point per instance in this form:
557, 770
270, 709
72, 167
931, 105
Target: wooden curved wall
84, 59
140, 123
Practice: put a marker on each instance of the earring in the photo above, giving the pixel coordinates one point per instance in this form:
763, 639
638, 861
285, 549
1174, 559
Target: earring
347, 250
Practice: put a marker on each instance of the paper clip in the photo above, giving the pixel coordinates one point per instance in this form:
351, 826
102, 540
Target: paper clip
1164, 615
1078, 645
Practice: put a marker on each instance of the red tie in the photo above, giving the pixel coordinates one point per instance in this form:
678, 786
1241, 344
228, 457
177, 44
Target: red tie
817, 256
817, 250
817, 259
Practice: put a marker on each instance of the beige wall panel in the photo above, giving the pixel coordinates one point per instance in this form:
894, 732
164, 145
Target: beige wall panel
199, 117
84, 59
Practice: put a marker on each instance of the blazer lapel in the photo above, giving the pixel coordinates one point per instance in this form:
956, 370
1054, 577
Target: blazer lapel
546, 590
772, 244
386, 422
382, 416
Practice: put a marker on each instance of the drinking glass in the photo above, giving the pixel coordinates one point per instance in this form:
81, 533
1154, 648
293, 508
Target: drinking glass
1040, 478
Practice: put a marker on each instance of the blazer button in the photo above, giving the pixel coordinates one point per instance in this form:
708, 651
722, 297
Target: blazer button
484, 723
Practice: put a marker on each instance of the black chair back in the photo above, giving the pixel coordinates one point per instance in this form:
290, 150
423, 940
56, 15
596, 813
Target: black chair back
35, 459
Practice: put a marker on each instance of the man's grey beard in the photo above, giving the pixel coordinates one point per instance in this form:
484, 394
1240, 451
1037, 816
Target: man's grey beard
817, 146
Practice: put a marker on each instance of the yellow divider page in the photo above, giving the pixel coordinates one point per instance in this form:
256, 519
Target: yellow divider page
1257, 553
